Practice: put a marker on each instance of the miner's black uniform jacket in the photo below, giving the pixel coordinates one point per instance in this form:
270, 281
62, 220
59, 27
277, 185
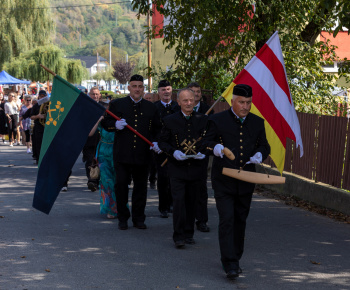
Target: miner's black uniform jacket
175, 130
144, 118
164, 111
243, 139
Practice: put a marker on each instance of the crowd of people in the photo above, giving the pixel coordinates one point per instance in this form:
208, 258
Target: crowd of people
15, 124
183, 135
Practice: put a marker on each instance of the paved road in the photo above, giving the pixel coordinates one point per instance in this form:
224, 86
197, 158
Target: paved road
76, 248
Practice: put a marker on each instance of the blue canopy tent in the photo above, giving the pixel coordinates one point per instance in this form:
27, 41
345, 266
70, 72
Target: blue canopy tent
6, 79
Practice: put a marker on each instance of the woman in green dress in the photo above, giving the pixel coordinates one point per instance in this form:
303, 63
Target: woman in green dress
104, 154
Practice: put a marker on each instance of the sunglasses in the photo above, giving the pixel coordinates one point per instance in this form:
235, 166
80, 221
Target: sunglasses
28, 100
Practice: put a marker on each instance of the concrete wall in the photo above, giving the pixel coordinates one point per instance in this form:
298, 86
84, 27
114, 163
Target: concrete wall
306, 189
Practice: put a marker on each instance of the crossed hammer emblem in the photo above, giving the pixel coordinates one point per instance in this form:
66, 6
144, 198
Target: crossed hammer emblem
189, 146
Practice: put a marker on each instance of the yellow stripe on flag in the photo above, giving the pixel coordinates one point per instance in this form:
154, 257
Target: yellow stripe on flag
227, 94
277, 149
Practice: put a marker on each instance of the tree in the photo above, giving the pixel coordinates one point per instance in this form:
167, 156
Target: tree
123, 71
103, 51
107, 76
23, 27
27, 65
223, 35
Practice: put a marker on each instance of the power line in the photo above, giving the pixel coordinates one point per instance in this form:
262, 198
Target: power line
65, 7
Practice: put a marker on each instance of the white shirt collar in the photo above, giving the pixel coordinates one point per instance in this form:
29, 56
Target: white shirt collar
198, 105
236, 115
164, 104
185, 114
135, 101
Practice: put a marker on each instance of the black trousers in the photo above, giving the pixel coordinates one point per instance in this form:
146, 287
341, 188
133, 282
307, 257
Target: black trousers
202, 202
202, 197
152, 169
27, 133
38, 137
163, 185
184, 199
12, 128
139, 174
233, 212
88, 156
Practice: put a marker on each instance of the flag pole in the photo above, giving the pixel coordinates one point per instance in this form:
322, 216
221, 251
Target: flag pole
213, 105
111, 114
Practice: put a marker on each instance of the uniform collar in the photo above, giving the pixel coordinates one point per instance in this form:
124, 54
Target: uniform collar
134, 100
165, 104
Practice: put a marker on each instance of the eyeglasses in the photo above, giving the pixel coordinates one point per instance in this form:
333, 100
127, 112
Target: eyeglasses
28, 100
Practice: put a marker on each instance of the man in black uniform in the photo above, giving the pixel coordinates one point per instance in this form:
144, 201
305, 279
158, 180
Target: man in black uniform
244, 134
38, 129
131, 154
89, 149
179, 131
165, 108
202, 199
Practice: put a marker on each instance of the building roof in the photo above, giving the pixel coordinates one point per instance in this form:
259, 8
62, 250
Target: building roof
89, 60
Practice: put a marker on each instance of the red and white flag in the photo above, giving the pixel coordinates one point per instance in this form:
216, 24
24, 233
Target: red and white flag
272, 101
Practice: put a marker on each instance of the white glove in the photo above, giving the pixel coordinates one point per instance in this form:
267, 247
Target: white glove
256, 159
120, 124
199, 156
218, 150
156, 148
178, 155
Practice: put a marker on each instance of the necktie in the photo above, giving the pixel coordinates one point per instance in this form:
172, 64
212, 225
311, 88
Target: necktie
195, 108
187, 117
241, 119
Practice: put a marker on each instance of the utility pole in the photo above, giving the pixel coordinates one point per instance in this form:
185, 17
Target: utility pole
149, 47
110, 54
79, 40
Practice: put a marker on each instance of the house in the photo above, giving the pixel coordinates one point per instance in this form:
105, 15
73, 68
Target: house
93, 65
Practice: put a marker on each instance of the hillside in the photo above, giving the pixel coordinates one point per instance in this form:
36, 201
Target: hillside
97, 25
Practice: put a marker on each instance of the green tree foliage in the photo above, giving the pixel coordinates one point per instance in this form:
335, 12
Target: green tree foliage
27, 65
220, 37
23, 28
97, 25
103, 51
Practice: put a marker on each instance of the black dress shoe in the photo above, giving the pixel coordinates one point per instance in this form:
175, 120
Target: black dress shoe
190, 241
202, 227
141, 226
164, 214
179, 244
152, 185
233, 274
239, 270
123, 225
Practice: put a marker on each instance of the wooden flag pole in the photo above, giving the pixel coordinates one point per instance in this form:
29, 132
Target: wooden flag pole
111, 114
131, 129
213, 105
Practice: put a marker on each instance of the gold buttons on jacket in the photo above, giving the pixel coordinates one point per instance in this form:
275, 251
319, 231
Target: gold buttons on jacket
240, 140
240, 133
